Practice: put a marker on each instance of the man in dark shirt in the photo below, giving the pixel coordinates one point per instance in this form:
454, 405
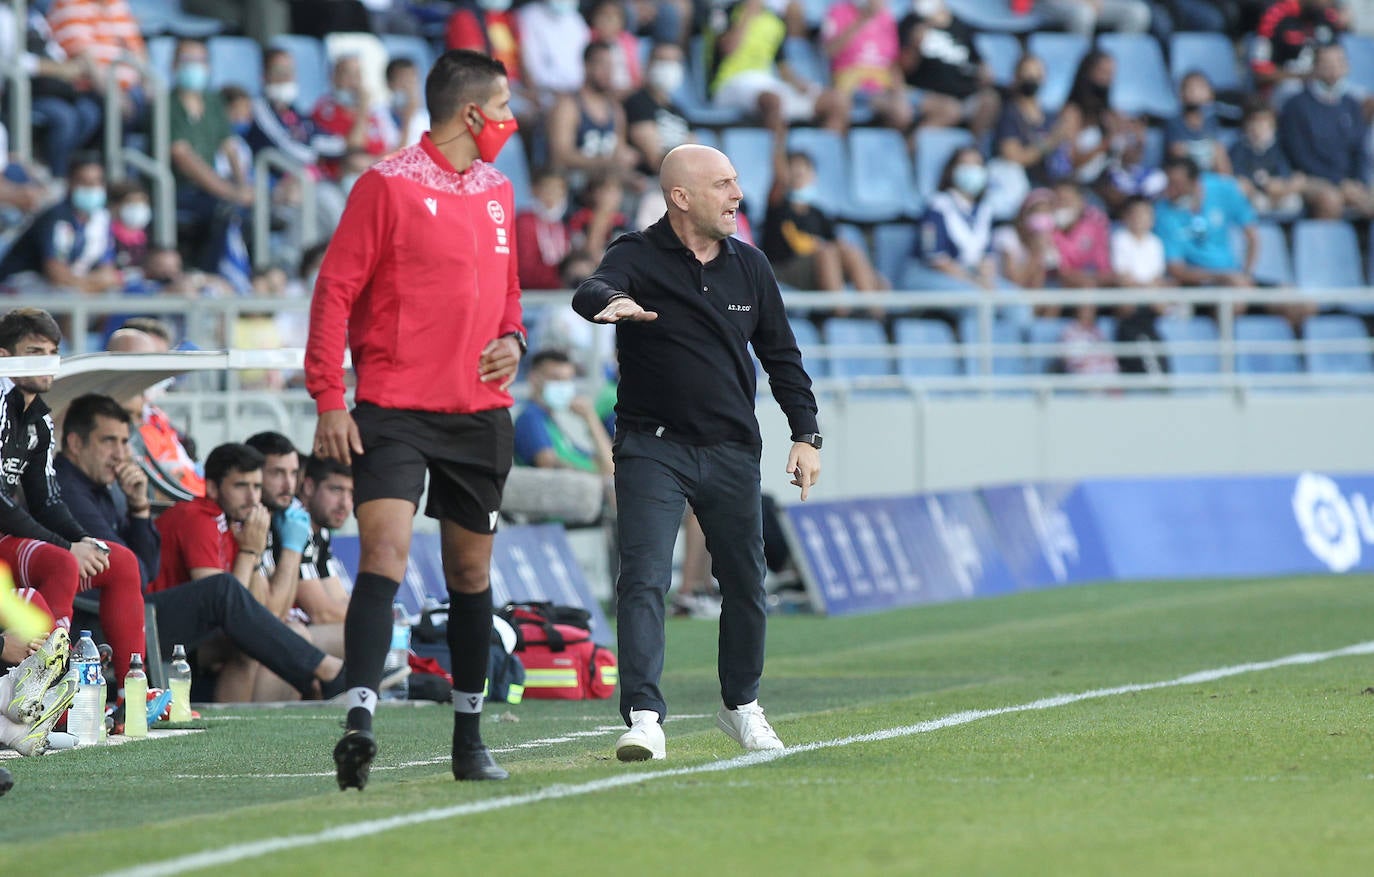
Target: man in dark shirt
654, 123
939, 57
689, 301
69, 245
95, 457
1323, 133
1289, 33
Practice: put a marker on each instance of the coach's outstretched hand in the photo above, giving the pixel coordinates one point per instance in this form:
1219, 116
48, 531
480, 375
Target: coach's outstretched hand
499, 361
625, 309
336, 436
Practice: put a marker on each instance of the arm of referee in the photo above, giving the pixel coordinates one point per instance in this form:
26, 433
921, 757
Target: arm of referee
348, 266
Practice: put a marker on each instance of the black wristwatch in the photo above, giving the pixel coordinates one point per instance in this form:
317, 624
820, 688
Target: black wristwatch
811, 438
519, 339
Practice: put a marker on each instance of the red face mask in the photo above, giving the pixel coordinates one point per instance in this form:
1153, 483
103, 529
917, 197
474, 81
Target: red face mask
492, 137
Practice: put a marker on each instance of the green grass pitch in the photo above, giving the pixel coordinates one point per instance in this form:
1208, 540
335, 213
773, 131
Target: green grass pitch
1265, 772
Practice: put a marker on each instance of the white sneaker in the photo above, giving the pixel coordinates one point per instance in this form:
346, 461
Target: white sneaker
746, 725
644, 740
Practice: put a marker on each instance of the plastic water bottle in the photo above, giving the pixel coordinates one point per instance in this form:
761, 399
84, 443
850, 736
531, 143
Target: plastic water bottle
180, 683
87, 715
398, 655
136, 699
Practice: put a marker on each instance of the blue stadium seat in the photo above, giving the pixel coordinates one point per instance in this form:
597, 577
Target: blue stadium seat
1046, 330
809, 340
1142, 85
1189, 329
414, 48
880, 185
312, 68
167, 17
994, 15
1359, 49
1000, 52
706, 137
860, 333
892, 243
828, 151
161, 51
235, 61
932, 333
1265, 328
1209, 53
934, 146
511, 161
1274, 267
1154, 147
1326, 254
751, 152
1336, 327
806, 60
1060, 53
1004, 335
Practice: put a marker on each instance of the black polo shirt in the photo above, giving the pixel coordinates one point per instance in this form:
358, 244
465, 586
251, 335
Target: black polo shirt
689, 372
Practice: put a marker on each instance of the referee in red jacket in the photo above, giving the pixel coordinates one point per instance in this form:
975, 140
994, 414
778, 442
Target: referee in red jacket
420, 281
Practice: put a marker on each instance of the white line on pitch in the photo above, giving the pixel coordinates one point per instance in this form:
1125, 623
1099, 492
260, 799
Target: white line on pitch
355, 830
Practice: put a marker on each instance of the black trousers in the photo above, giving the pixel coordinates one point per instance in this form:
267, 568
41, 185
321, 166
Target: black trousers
654, 478
191, 612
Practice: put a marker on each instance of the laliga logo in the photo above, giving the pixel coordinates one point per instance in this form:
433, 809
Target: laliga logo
1333, 526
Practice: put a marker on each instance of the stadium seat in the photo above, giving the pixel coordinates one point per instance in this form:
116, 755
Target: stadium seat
855, 332
1359, 49
235, 61
1045, 330
911, 332
1274, 267
1153, 155
1326, 255
156, 17
1265, 328
1188, 330
809, 341
706, 137
1060, 53
934, 146
892, 243
880, 185
806, 60
1336, 327
751, 152
1209, 53
828, 152
161, 51
312, 69
1142, 85
1000, 51
414, 48
994, 15
692, 97
511, 161
1004, 335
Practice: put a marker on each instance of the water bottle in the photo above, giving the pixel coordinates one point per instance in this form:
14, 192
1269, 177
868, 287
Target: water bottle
136, 699
87, 715
180, 683
398, 656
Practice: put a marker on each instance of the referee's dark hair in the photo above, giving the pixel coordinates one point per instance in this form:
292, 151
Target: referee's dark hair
271, 444
459, 77
231, 457
318, 469
81, 414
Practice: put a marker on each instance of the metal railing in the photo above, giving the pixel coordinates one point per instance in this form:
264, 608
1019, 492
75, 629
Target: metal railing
263, 164
158, 166
21, 92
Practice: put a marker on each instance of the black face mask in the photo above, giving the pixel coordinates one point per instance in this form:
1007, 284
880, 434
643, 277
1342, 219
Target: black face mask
1028, 87
1194, 108
1099, 91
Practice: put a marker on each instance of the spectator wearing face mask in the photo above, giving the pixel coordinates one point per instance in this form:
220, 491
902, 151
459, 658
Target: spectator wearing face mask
1196, 132
1323, 132
407, 103
1082, 236
544, 430
542, 240
349, 112
1026, 135
69, 245
955, 233
1025, 250
655, 123
131, 212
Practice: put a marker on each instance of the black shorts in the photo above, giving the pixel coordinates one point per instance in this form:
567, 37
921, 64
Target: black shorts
467, 456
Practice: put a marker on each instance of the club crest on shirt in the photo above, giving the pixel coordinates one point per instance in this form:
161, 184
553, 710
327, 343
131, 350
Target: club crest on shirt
496, 212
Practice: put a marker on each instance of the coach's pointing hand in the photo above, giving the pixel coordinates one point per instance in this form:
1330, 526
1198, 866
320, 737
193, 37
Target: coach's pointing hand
336, 436
625, 309
804, 465
499, 361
